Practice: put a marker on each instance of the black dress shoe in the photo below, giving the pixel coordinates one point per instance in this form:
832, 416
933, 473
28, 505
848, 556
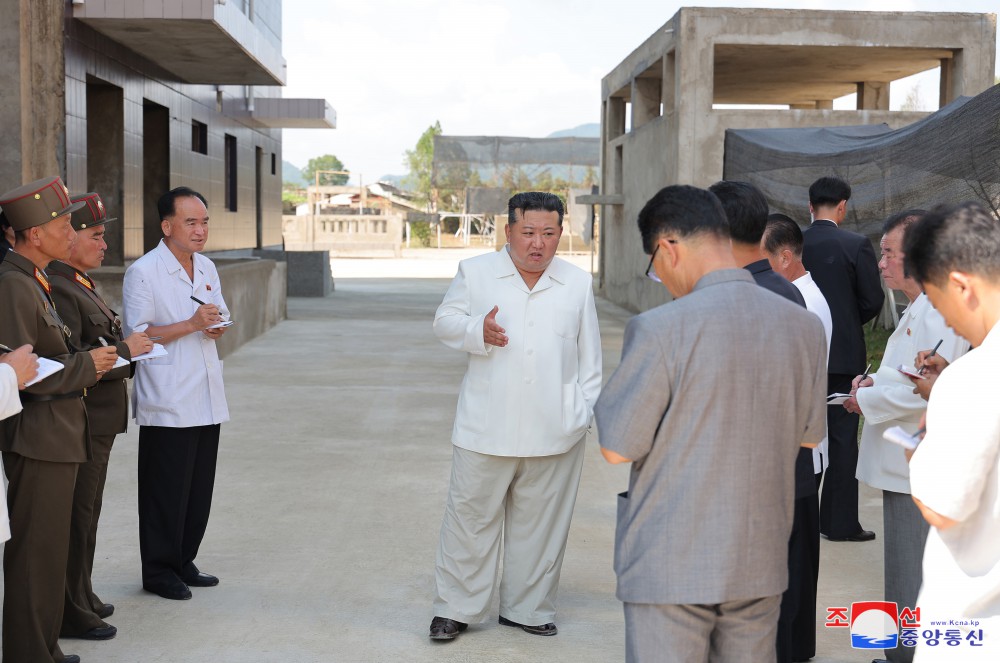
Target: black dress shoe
71, 658
174, 591
105, 632
201, 580
443, 628
105, 611
861, 535
542, 629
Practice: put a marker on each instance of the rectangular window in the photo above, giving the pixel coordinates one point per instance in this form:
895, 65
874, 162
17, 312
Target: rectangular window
274, 163
230, 174
199, 137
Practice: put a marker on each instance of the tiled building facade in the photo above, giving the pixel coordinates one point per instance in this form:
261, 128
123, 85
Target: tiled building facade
158, 94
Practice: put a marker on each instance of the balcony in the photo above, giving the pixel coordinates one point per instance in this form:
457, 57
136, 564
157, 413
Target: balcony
209, 42
294, 114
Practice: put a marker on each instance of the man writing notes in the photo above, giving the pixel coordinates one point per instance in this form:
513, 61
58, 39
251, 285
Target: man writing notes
955, 472
92, 325
843, 265
712, 426
886, 399
179, 402
44, 445
17, 367
528, 324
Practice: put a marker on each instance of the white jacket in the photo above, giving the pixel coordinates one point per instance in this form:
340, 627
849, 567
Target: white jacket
536, 396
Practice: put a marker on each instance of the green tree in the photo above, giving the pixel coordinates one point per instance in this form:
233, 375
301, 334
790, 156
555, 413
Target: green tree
325, 162
420, 161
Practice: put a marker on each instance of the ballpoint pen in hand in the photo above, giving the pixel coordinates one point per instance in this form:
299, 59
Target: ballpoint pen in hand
932, 353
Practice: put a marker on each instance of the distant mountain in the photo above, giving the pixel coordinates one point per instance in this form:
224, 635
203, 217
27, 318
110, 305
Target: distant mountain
592, 130
292, 173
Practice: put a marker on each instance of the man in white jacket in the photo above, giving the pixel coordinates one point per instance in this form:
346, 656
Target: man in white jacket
17, 367
886, 400
529, 325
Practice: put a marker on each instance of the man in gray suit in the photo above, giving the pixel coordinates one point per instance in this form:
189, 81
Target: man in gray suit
714, 394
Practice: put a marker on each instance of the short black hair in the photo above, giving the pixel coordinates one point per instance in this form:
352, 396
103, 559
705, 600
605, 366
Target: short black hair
904, 218
745, 207
166, 204
4, 223
782, 233
829, 191
682, 209
964, 238
533, 200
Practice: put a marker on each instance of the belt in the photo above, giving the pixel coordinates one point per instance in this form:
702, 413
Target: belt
42, 398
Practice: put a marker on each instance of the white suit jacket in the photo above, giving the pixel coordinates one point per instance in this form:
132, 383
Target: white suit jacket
185, 388
891, 401
816, 303
536, 396
10, 404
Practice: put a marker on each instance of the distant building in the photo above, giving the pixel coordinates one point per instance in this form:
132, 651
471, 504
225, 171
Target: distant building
131, 98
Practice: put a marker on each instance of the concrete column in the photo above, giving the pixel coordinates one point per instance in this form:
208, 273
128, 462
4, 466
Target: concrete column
873, 95
645, 101
668, 86
805, 106
947, 94
33, 112
614, 118
824, 104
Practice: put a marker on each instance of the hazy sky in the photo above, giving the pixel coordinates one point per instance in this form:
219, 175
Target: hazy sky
391, 68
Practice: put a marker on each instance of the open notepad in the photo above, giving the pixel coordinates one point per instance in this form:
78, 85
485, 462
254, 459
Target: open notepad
46, 367
157, 351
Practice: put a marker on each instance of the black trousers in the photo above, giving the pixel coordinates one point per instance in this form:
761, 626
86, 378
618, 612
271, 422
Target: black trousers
838, 507
176, 478
797, 618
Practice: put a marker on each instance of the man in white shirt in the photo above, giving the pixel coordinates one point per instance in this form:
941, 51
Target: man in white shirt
179, 402
955, 472
17, 367
528, 323
886, 399
782, 243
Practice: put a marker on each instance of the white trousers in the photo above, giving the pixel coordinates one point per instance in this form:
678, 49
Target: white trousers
529, 501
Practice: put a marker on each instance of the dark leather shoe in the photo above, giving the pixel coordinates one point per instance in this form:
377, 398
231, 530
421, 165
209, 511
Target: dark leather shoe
862, 535
543, 629
443, 628
175, 591
105, 632
71, 658
201, 580
105, 611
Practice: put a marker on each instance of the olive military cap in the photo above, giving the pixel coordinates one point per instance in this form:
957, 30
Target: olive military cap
37, 203
91, 214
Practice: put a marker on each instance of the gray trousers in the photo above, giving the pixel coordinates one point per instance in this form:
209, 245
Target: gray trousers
732, 632
904, 538
527, 500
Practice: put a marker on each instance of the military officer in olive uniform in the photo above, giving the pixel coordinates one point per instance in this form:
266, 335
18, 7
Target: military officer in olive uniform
43, 445
92, 324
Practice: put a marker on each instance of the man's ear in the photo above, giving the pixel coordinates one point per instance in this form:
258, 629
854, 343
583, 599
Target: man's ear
786, 258
506, 231
165, 227
964, 286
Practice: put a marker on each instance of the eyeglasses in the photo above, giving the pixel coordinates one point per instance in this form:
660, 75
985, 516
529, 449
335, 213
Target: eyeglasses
649, 268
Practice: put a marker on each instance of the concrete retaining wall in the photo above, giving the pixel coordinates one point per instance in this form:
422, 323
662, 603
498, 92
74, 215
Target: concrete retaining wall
254, 290
355, 235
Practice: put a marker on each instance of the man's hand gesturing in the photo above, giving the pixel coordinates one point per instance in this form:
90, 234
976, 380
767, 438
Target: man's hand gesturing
493, 333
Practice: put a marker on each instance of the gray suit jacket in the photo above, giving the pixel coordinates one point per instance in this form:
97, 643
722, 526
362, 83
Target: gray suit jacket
714, 394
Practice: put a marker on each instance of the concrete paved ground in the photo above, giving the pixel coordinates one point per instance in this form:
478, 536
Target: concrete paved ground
331, 485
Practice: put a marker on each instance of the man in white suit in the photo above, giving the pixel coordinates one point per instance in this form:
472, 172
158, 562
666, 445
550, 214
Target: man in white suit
529, 325
17, 367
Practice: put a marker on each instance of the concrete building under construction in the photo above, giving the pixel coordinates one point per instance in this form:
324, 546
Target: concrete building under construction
662, 120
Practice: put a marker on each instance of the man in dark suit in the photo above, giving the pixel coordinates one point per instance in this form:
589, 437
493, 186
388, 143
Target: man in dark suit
844, 267
92, 325
746, 211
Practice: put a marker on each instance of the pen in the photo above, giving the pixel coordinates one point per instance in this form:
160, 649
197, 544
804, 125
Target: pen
933, 352
4, 348
865, 376
100, 339
155, 338
197, 300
